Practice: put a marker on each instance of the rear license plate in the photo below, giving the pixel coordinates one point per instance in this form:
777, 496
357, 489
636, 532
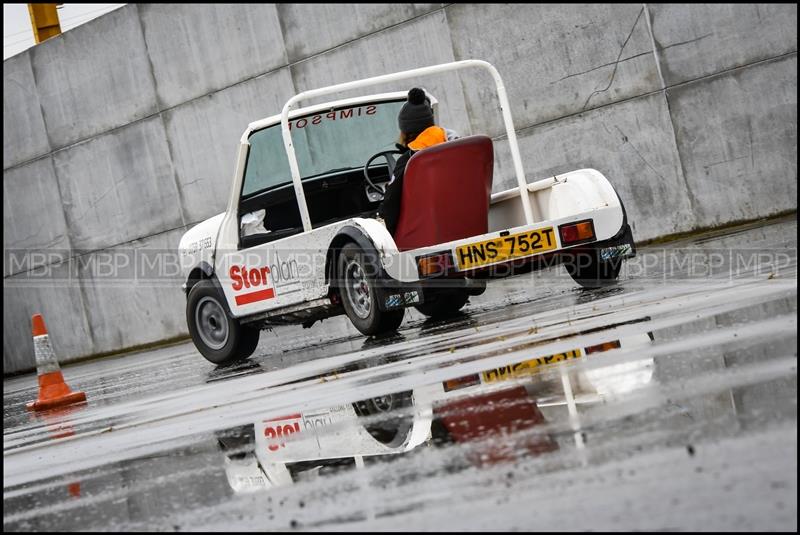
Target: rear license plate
527, 367
504, 248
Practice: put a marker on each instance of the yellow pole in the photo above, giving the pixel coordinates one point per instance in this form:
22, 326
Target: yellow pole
44, 19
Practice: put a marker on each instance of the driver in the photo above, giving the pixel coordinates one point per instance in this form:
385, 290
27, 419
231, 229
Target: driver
417, 132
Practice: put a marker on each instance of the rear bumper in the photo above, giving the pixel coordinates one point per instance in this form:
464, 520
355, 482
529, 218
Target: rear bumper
399, 294
610, 230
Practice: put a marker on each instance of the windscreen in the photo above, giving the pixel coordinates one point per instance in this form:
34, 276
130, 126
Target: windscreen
337, 139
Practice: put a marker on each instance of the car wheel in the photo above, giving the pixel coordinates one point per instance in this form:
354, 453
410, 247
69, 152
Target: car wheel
586, 268
391, 428
359, 293
219, 338
443, 303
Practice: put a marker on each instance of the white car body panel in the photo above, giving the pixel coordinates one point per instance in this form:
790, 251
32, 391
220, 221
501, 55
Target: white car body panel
296, 269
334, 433
198, 244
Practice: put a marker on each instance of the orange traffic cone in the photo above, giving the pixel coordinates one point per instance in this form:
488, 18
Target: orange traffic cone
74, 489
53, 391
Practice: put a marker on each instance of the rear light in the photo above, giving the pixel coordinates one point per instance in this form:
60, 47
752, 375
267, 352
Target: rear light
579, 232
461, 382
434, 264
606, 346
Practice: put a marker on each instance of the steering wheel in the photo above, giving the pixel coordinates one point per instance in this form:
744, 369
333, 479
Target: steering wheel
379, 192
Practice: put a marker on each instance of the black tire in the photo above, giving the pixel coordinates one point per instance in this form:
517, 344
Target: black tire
360, 294
221, 339
586, 268
441, 304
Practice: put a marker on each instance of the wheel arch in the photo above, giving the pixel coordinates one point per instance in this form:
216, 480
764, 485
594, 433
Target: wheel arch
346, 235
201, 271
204, 271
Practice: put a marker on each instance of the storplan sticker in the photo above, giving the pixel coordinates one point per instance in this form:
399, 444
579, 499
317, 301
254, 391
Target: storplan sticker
259, 283
255, 280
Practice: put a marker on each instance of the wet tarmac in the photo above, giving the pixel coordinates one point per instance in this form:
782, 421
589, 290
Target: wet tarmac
665, 402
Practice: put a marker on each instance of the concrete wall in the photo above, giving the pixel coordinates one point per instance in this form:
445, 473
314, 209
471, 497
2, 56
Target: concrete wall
120, 134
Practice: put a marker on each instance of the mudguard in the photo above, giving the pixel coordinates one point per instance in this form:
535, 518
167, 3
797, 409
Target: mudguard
391, 294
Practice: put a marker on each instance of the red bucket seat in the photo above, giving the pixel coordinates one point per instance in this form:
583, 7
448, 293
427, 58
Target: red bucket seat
446, 193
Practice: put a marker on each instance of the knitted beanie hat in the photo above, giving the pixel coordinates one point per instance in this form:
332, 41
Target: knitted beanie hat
416, 115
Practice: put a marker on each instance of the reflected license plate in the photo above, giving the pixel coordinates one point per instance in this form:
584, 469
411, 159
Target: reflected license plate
527, 367
504, 248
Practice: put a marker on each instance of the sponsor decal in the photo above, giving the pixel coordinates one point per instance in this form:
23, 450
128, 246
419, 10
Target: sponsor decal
613, 252
317, 421
333, 115
284, 272
257, 279
278, 429
261, 283
197, 246
406, 298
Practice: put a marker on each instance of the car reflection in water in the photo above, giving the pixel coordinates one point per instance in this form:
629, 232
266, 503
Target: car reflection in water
494, 413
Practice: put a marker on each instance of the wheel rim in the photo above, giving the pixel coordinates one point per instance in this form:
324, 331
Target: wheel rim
357, 287
383, 403
212, 323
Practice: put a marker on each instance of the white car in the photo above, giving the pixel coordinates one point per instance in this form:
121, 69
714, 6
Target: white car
299, 240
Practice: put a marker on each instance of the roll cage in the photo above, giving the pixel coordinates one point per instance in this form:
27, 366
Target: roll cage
527, 207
